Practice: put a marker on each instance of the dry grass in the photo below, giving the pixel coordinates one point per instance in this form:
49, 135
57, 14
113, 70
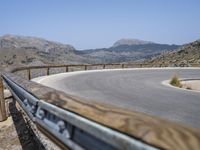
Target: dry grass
175, 81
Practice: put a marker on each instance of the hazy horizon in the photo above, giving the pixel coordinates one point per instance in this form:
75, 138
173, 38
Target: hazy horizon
89, 25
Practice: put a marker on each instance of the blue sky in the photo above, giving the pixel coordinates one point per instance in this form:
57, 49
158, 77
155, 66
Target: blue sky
99, 23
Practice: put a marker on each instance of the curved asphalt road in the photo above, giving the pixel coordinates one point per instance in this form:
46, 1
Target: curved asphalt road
135, 89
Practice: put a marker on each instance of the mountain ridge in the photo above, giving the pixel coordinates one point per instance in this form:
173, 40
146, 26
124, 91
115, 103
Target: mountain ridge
126, 53
32, 49
130, 41
28, 50
16, 41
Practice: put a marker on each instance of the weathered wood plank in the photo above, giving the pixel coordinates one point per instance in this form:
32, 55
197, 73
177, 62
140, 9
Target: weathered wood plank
152, 130
3, 115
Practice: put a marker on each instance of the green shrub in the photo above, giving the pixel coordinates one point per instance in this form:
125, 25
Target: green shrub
175, 81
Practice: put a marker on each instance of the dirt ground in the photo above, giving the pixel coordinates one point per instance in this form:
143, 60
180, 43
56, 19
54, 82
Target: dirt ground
191, 84
16, 132
19, 133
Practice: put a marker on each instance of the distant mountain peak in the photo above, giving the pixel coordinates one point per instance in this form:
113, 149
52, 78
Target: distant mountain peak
128, 41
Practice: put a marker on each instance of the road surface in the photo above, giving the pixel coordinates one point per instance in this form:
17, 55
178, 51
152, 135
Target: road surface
134, 89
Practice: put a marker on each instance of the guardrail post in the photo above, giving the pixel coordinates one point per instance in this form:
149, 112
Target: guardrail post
3, 115
122, 65
47, 70
29, 74
67, 69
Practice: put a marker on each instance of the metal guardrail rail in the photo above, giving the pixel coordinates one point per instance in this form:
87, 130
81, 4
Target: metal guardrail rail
79, 125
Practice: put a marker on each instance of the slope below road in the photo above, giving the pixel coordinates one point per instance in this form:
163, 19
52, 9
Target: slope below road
134, 89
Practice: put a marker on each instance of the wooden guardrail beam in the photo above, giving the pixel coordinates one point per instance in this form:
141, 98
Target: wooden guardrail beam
15, 69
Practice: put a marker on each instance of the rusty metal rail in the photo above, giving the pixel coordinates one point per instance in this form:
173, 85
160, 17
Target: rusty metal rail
77, 123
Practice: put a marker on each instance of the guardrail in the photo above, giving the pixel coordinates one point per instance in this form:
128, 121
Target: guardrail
70, 121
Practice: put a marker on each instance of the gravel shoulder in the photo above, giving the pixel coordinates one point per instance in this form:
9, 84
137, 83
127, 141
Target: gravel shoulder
18, 132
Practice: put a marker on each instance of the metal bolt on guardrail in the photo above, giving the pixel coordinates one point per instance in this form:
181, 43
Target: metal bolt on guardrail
41, 114
61, 125
25, 102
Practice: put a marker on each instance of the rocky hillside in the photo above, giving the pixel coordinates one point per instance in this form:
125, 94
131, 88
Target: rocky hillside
128, 50
39, 44
189, 53
21, 50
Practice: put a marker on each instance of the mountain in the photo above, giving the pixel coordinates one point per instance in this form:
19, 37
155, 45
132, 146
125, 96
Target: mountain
24, 50
128, 50
188, 53
26, 42
130, 42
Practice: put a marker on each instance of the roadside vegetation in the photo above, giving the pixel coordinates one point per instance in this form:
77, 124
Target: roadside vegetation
175, 81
